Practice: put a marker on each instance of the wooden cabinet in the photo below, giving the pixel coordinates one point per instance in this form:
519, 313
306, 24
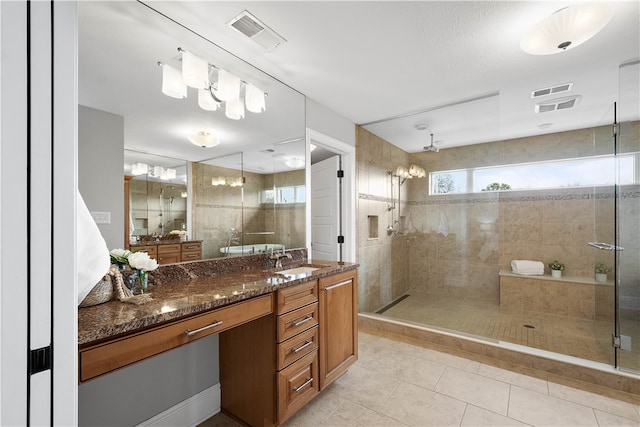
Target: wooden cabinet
297, 347
191, 251
152, 250
338, 306
102, 358
168, 253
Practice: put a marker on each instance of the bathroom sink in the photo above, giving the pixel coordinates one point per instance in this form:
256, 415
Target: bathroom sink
298, 270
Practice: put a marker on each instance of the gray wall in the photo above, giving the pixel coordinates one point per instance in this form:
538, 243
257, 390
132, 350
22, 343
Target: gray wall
101, 169
134, 394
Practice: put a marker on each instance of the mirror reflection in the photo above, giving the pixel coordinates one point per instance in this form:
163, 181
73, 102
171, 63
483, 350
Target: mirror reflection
247, 191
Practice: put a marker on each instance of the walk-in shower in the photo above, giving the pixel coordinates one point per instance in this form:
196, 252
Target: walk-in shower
572, 196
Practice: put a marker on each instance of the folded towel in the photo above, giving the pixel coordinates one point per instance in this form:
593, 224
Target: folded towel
525, 265
529, 272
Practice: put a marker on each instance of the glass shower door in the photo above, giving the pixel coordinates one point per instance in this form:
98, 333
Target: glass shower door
627, 212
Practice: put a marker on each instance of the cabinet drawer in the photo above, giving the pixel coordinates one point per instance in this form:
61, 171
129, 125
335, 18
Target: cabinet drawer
191, 256
168, 258
299, 320
297, 347
152, 250
297, 384
192, 247
112, 355
297, 296
169, 249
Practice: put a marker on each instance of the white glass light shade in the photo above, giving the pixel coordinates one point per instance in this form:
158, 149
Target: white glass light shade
566, 28
195, 70
216, 180
206, 101
183, 194
172, 83
168, 173
235, 109
295, 162
228, 86
139, 169
254, 99
203, 139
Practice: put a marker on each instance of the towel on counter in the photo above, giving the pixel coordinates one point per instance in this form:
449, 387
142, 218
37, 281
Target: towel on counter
93, 254
527, 268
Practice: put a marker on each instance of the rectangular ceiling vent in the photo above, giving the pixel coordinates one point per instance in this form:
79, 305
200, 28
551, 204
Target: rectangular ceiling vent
551, 90
257, 31
557, 104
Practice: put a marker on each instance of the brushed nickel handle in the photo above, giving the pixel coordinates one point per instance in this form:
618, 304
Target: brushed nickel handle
204, 328
306, 383
302, 347
337, 285
302, 322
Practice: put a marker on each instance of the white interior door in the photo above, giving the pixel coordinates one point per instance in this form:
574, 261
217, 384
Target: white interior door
324, 210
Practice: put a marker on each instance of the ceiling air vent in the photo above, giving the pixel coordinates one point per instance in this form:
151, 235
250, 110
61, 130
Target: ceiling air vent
551, 90
251, 27
557, 104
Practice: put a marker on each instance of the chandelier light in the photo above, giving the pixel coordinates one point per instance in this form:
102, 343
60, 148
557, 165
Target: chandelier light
566, 28
216, 86
172, 83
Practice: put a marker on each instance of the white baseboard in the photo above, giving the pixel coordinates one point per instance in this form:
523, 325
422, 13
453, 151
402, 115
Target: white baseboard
190, 412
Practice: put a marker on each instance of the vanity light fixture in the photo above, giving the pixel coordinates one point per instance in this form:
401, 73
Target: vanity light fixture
203, 139
139, 169
215, 86
566, 28
227, 180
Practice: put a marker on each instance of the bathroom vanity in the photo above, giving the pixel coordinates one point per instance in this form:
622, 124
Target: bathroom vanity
170, 251
284, 336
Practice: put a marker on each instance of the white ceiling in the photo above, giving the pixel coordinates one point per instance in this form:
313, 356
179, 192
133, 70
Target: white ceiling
457, 62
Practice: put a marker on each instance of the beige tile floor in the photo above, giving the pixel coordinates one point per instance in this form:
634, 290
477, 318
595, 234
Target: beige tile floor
585, 339
400, 384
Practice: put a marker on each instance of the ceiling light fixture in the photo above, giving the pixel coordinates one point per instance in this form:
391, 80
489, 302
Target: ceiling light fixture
295, 162
203, 139
566, 28
226, 88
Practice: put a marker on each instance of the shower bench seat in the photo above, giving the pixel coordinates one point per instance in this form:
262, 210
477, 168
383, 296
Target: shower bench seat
566, 296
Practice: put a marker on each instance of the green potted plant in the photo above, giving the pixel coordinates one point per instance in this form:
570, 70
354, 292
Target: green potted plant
601, 272
556, 268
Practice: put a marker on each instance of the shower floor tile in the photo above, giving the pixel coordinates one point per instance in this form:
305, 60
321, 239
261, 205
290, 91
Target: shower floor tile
585, 339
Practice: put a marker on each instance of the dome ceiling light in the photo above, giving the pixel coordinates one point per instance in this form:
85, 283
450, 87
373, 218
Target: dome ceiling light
203, 139
566, 28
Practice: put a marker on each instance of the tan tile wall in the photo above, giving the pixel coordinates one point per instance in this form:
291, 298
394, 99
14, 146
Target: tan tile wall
457, 244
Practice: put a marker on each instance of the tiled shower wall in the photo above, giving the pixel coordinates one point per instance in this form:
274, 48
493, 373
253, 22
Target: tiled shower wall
217, 209
457, 244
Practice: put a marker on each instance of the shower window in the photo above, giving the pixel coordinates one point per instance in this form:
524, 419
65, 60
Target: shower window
284, 195
581, 172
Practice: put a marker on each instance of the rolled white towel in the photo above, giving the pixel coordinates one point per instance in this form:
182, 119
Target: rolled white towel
526, 267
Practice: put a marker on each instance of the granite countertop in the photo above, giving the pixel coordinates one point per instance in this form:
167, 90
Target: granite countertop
163, 242
178, 295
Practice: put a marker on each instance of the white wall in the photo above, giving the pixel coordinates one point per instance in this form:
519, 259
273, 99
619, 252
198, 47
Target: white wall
101, 169
325, 121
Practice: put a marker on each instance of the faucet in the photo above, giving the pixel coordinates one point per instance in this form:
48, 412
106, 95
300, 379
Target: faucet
277, 257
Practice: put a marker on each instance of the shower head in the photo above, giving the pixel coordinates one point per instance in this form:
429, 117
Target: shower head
431, 147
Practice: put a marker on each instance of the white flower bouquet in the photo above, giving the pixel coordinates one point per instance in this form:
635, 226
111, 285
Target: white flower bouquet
120, 257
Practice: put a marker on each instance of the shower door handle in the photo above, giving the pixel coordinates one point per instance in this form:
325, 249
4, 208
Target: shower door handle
605, 246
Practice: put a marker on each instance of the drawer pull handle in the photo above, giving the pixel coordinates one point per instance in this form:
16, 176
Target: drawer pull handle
302, 347
204, 328
301, 322
306, 383
337, 285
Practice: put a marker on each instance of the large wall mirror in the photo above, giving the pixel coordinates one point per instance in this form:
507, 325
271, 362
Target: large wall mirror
241, 196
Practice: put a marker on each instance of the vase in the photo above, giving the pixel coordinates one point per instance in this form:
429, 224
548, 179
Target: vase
556, 273
601, 277
138, 282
